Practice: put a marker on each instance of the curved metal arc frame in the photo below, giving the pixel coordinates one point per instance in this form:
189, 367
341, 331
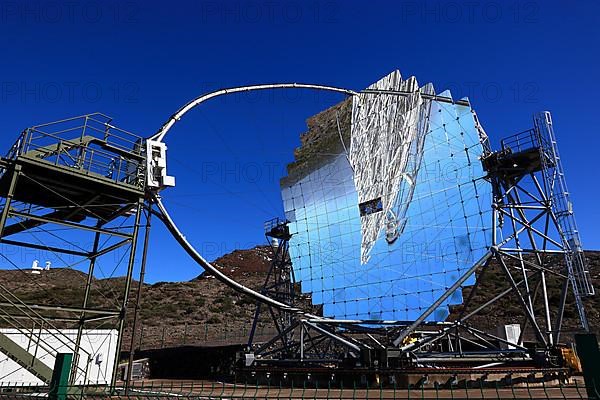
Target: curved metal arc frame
308, 319
170, 224
159, 136
187, 246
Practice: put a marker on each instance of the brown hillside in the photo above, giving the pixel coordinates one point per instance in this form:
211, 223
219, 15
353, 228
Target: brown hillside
204, 310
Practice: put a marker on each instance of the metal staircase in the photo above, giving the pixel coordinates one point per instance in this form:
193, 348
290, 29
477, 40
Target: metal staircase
25, 359
30, 358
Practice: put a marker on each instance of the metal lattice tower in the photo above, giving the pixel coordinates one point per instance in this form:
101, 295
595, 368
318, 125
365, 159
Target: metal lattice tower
88, 177
556, 185
534, 219
279, 283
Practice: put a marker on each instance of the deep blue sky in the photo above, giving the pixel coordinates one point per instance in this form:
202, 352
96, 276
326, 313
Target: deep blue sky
139, 61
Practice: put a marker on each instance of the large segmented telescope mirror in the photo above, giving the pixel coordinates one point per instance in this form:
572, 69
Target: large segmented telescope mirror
387, 203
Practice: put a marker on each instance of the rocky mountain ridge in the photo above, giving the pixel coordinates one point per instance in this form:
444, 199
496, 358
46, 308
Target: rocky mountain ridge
203, 307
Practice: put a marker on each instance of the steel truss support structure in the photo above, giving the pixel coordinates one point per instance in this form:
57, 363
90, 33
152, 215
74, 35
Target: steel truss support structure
57, 179
308, 342
296, 337
279, 283
534, 222
534, 241
521, 240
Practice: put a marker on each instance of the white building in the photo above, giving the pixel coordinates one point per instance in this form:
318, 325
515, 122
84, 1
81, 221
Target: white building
96, 360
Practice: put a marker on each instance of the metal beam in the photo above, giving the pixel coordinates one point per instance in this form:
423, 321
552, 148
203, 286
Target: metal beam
533, 265
130, 265
277, 337
43, 247
59, 308
22, 226
96, 253
65, 215
561, 310
528, 312
490, 302
480, 332
11, 191
138, 299
70, 224
442, 298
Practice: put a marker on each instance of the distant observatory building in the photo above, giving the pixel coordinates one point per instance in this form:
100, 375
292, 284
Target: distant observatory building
36, 268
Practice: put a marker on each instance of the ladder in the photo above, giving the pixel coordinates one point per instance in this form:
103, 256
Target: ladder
562, 207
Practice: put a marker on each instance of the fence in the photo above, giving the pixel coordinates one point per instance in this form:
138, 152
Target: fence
157, 337
221, 390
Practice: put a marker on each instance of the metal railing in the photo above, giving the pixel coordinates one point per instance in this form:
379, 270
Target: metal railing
526, 140
89, 144
36, 346
304, 390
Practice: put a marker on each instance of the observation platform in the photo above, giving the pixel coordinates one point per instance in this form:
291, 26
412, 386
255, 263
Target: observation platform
278, 229
81, 167
520, 154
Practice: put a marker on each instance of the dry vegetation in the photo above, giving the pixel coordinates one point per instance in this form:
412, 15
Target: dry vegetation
203, 308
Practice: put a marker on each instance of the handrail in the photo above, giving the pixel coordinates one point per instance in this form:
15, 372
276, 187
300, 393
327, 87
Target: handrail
108, 159
102, 129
